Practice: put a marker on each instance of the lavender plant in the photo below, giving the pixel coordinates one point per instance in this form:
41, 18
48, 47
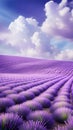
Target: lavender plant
32, 125
5, 103
10, 121
21, 110
43, 116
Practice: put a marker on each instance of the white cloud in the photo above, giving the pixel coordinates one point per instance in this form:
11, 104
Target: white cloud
66, 54
21, 31
23, 25
27, 38
59, 20
63, 4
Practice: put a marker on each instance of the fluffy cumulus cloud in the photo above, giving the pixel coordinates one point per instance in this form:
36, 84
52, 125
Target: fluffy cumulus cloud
49, 40
26, 36
59, 19
66, 54
21, 31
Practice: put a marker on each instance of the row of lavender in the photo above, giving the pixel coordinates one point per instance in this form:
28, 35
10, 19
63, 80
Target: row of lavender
40, 100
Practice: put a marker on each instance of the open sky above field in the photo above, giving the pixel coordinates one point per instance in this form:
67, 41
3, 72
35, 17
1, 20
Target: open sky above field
37, 28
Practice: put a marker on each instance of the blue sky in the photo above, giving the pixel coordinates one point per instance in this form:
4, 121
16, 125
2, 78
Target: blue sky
41, 12
10, 9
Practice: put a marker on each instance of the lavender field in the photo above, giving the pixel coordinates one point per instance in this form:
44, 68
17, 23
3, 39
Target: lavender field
35, 94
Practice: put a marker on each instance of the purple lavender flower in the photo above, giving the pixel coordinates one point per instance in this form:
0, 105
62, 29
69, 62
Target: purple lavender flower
5, 103
32, 125
45, 117
3, 88
17, 98
48, 95
61, 128
10, 121
60, 104
65, 93
61, 114
2, 95
45, 102
33, 105
18, 89
51, 91
59, 99
21, 110
9, 92
35, 91
27, 95
69, 123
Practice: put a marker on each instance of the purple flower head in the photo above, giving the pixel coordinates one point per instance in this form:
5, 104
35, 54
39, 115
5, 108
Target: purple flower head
33, 105
28, 95
9, 92
3, 89
69, 123
32, 125
61, 104
48, 95
61, 128
64, 93
17, 98
5, 103
59, 99
21, 110
35, 91
45, 117
18, 89
10, 121
2, 95
51, 91
61, 114
45, 102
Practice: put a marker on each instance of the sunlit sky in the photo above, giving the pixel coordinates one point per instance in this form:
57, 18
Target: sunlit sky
37, 28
